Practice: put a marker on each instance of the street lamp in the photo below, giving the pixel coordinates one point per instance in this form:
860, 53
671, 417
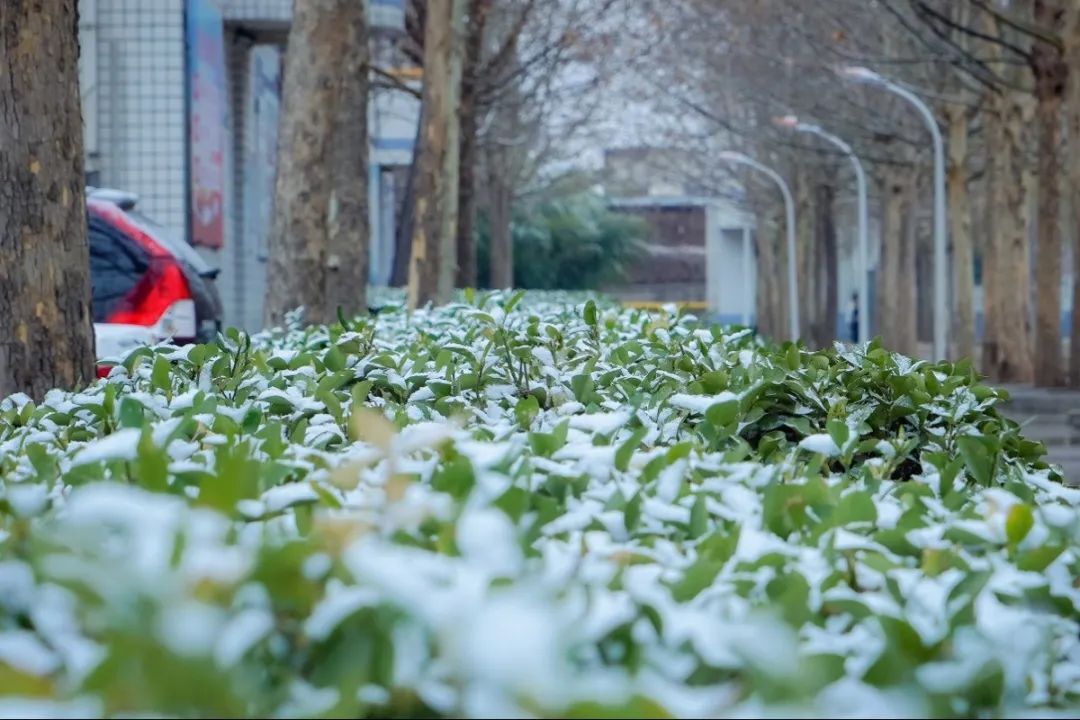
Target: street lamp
792, 123
869, 77
789, 208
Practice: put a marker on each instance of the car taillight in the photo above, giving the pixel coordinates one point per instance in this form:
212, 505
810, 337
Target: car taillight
160, 288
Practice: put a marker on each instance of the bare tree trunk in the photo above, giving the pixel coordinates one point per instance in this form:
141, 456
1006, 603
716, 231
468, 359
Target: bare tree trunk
963, 316
1007, 348
501, 199
907, 336
466, 229
805, 251
46, 328
896, 297
924, 277
770, 278
827, 300
892, 207
399, 276
432, 265
1050, 77
311, 93
348, 232
1071, 36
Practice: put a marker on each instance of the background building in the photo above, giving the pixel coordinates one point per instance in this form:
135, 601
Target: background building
181, 101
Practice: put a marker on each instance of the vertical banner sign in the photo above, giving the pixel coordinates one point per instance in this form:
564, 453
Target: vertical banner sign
260, 161
206, 122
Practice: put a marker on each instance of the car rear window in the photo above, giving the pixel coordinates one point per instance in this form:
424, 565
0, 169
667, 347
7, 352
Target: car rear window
117, 264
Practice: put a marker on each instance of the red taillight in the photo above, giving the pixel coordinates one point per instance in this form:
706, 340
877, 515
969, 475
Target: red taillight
162, 285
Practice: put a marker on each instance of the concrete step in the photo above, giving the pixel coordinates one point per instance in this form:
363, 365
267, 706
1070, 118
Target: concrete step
1049, 429
1068, 458
1029, 400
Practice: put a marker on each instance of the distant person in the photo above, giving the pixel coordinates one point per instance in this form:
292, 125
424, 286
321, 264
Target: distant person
853, 317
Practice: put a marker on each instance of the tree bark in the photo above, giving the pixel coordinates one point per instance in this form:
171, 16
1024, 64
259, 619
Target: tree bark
770, 278
46, 327
963, 254
406, 220
348, 233
924, 281
1071, 37
805, 251
907, 336
1006, 297
311, 99
1050, 77
896, 297
432, 265
827, 301
501, 199
466, 229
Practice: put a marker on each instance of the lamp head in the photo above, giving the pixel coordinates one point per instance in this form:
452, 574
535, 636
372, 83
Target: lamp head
860, 74
788, 122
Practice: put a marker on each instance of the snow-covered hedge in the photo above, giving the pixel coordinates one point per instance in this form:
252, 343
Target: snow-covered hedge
531, 507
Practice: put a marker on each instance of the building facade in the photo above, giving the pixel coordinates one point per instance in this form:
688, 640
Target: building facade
699, 249
181, 100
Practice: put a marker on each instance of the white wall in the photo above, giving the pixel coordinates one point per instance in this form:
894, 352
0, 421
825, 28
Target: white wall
731, 271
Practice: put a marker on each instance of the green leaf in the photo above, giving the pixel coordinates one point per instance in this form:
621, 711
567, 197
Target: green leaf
334, 360
697, 577
678, 452
1038, 559
839, 432
43, 463
980, 456
857, 506
699, 517
632, 513
328, 498
131, 412
161, 376
526, 410
560, 432
151, 464
455, 478
333, 381
636, 706
723, 413
1018, 523
513, 301
582, 385
589, 313
714, 382
626, 451
790, 593
514, 502
791, 357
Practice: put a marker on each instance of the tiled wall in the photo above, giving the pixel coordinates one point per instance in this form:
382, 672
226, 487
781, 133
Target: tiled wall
383, 13
139, 101
261, 11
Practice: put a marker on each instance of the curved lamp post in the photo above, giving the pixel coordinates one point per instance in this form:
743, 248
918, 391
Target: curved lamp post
792, 123
789, 208
941, 300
